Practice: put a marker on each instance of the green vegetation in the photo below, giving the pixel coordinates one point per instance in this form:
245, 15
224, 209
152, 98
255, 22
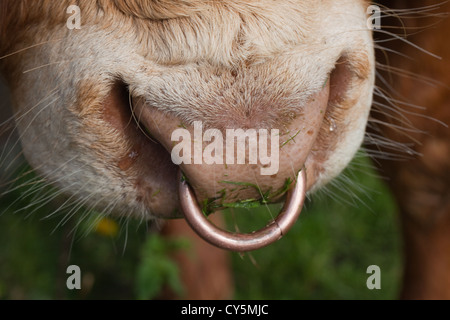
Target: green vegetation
211, 205
325, 256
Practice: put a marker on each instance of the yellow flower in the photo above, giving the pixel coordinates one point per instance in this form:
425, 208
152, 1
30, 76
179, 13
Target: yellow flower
107, 227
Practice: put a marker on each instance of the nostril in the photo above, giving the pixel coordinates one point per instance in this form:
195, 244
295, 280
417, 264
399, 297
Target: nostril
340, 80
118, 111
114, 108
137, 158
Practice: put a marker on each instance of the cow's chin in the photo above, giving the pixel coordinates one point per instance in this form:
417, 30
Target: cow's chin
308, 140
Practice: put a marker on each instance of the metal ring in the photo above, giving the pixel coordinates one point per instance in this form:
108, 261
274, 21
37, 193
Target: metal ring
237, 241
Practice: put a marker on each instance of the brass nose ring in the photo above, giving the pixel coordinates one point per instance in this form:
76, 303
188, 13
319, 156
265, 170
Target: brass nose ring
241, 242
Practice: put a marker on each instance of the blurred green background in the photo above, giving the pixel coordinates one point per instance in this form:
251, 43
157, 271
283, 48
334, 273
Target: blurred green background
345, 228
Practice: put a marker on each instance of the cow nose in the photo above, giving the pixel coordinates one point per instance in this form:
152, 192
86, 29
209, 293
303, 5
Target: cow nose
237, 164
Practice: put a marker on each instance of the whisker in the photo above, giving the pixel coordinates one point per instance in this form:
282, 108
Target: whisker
30, 47
48, 65
411, 75
397, 37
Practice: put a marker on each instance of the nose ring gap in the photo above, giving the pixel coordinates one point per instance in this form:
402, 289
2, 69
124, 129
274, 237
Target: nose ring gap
243, 242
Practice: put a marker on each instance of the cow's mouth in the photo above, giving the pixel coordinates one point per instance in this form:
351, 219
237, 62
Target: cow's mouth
220, 185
